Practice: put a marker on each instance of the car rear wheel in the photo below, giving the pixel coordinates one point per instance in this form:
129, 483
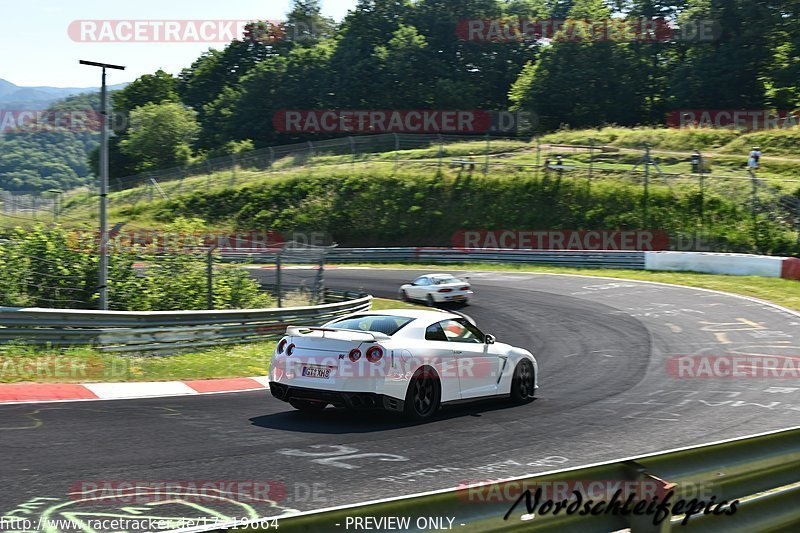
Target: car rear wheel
423, 396
430, 301
307, 406
523, 383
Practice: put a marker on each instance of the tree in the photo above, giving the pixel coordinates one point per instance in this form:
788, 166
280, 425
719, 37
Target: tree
160, 136
581, 83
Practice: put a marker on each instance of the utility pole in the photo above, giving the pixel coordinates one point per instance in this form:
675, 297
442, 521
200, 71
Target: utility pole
102, 278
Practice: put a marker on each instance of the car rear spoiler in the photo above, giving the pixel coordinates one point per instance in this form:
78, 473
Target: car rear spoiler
300, 331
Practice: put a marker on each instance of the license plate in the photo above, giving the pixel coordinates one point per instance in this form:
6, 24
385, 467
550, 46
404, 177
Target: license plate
320, 372
459, 297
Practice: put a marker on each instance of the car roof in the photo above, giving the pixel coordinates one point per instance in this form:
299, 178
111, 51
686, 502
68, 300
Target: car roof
437, 275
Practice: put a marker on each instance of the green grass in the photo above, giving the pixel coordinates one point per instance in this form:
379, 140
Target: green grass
86, 365
783, 292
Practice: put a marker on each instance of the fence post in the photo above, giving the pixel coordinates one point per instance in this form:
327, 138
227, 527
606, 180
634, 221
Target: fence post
488, 148
210, 276
646, 196
271, 157
753, 206
233, 169
702, 188
441, 151
310, 152
396, 151
538, 155
352, 152
278, 279
591, 157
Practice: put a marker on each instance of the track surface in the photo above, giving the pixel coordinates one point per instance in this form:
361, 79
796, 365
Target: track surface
602, 347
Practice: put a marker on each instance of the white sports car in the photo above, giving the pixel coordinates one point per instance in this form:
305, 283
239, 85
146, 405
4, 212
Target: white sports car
405, 360
437, 288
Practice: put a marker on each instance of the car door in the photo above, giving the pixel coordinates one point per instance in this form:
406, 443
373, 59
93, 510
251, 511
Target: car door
479, 364
419, 289
437, 345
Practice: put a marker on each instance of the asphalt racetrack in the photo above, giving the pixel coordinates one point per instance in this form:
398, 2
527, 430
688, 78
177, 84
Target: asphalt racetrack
605, 393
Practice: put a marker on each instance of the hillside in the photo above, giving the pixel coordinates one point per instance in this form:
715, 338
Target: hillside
410, 198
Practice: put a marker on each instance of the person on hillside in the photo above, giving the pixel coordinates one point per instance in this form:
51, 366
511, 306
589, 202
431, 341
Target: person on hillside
755, 158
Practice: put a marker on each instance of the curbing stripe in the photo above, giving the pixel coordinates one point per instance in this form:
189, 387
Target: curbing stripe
37, 392
21, 393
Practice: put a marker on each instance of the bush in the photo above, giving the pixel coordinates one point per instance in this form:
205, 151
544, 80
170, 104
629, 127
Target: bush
51, 267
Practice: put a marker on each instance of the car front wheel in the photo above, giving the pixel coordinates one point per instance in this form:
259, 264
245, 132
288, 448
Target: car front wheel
523, 383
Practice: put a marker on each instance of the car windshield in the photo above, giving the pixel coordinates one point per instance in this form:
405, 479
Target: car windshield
386, 324
444, 280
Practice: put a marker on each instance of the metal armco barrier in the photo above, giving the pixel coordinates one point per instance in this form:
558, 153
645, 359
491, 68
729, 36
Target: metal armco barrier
120, 331
757, 471
586, 259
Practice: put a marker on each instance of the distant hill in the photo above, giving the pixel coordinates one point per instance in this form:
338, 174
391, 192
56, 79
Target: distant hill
16, 97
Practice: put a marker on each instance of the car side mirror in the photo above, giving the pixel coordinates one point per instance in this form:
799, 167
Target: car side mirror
490, 339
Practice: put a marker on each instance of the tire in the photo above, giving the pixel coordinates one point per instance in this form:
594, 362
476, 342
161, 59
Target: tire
307, 406
404, 296
523, 382
430, 301
424, 396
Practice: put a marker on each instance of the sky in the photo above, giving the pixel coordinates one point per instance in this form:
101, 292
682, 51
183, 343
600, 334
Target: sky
38, 49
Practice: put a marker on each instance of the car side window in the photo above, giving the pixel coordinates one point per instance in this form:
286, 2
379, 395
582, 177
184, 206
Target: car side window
422, 282
435, 333
462, 331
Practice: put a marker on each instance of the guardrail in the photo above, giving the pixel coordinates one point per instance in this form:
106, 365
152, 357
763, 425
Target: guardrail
594, 259
757, 471
706, 262
121, 331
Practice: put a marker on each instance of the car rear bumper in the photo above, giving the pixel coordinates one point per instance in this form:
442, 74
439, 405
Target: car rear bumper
460, 296
351, 400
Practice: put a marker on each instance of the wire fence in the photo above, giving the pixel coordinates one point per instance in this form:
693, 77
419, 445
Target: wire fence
762, 194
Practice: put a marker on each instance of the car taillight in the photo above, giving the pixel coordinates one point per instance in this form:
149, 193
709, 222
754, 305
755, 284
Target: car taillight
374, 354
445, 290
465, 288
282, 345
355, 355
290, 349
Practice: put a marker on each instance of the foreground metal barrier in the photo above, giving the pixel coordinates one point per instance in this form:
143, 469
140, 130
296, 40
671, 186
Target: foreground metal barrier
757, 471
120, 331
